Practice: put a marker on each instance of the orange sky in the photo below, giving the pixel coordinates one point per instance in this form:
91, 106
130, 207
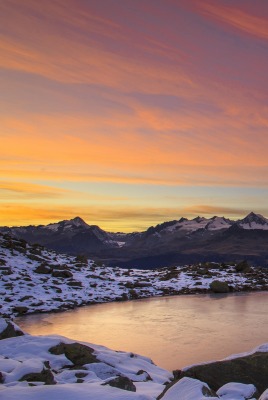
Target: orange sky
130, 113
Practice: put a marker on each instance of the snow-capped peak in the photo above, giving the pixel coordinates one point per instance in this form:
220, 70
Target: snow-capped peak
253, 221
216, 223
76, 222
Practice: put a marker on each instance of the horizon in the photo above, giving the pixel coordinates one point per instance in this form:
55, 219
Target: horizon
132, 113
153, 225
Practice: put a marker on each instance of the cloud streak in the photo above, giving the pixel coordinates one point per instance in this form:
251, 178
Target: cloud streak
240, 19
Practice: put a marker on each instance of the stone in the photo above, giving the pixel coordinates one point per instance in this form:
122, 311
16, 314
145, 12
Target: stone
243, 266
45, 376
77, 353
219, 287
250, 369
43, 269
11, 330
20, 309
62, 273
122, 382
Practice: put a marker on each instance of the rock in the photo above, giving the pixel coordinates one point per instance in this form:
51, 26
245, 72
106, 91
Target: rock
9, 329
6, 271
243, 266
250, 369
146, 377
122, 382
43, 269
62, 273
219, 287
45, 376
81, 259
81, 374
20, 309
34, 257
75, 283
77, 353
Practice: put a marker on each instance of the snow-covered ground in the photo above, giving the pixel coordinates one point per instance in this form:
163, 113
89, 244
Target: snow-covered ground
34, 279
54, 367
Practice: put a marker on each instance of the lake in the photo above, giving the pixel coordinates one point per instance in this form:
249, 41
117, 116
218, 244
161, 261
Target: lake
174, 331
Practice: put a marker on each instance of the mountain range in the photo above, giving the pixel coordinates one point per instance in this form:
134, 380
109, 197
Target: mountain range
179, 241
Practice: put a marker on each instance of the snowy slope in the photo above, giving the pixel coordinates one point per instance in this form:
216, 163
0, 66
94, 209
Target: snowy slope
34, 279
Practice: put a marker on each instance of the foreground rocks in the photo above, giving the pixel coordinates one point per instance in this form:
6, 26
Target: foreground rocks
57, 368
250, 369
33, 367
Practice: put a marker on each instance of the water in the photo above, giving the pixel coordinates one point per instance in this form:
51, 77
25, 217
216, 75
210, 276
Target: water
173, 331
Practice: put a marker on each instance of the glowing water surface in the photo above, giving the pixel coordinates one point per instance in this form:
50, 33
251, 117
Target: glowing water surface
173, 331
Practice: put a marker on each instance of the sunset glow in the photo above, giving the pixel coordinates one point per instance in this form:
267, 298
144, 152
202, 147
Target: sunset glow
129, 113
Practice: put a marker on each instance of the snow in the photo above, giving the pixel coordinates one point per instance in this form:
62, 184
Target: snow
70, 392
264, 396
3, 325
29, 354
53, 227
188, 389
217, 223
236, 391
254, 225
251, 221
263, 348
24, 368
22, 286
210, 224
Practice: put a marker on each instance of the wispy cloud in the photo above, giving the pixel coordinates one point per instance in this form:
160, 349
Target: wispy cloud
240, 19
19, 190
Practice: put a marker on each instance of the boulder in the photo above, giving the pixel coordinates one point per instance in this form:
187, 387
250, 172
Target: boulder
219, 287
122, 382
77, 353
20, 309
43, 269
75, 283
249, 369
45, 376
243, 266
62, 273
8, 329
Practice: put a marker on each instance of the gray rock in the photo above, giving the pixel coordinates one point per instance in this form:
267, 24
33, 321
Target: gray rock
122, 382
251, 369
77, 353
11, 330
219, 287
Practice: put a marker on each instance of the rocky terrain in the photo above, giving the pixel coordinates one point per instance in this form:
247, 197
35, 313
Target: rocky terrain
34, 279
54, 367
171, 243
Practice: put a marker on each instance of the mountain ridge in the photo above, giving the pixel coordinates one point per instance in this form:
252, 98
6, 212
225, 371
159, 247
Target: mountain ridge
183, 240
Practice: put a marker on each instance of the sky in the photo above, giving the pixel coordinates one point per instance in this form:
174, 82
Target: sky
129, 113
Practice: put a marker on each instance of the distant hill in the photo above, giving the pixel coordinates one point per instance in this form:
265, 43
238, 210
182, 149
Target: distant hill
178, 241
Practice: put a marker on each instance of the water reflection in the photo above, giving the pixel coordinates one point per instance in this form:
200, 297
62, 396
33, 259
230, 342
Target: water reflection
173, 331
